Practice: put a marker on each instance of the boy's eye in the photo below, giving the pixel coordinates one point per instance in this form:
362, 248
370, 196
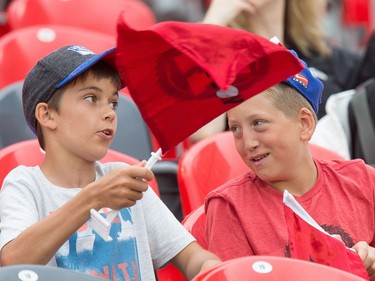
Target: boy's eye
235, 129
90, 98
258, 123
114, 105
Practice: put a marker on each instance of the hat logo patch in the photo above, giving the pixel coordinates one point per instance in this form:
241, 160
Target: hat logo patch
232, 91
81, 50
299, 78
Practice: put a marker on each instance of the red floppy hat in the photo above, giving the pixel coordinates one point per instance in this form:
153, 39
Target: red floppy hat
182, 75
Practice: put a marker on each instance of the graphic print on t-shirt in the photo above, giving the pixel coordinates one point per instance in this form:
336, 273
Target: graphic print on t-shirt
86, 251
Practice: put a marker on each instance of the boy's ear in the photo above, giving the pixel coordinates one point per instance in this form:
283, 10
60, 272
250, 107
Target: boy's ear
44, 116
307, 122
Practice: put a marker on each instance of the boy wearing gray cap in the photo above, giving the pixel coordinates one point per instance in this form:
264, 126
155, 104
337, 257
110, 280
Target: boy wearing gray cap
70, 100
271, 132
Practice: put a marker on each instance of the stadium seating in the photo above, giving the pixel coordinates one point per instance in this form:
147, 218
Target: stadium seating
20, 49
27, 272
13, 126
267, 268
95, 15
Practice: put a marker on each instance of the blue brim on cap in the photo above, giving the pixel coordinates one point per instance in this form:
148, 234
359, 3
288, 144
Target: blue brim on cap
83, 67
307, 85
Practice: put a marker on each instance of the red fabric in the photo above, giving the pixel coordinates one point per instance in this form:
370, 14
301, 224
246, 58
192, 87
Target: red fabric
174, 70
310, 244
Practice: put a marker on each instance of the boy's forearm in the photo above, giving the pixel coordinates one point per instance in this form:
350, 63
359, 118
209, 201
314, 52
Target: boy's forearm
38, 243
194, 259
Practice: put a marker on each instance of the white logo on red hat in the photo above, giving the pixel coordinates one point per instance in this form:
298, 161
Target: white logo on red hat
232, 91
301, 79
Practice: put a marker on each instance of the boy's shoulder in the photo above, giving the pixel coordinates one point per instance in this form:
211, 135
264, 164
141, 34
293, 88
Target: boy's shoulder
233, 186
352, 168
21, 171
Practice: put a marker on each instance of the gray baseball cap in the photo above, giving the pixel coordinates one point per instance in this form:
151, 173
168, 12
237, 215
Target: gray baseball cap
54, 71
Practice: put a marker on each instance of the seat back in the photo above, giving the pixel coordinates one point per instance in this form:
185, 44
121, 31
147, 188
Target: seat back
195, 223
266, 268
21, 49
205, 166
323, 153
29, 153
95, 15
28, 272
13, 126
212, 162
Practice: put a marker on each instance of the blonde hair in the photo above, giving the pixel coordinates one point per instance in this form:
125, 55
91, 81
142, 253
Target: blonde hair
288, 100
303, 26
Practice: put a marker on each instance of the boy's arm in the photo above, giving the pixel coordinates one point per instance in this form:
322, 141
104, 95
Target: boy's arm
193, 259
38, 243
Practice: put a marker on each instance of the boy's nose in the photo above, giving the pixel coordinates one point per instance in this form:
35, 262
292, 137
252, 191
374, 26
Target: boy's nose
250, 141
110, 114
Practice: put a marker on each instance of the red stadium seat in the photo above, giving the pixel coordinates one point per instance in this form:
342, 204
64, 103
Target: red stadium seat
195, 223
21, 49
205, 166
96, 15
212, 162
267, 268
28, 153
324, 153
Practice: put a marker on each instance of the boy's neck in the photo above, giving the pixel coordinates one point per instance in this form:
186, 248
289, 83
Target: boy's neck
67, 175
302, 183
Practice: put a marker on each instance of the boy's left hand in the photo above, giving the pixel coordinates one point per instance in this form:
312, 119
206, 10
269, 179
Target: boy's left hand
367, 255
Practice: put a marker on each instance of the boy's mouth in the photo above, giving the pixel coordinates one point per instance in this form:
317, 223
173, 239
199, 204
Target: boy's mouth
259, 157
108, 132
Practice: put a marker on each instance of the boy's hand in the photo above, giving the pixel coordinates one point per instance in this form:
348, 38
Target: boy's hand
121, 187
367, 255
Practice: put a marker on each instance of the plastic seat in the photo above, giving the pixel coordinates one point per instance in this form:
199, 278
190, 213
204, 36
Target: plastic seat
267, 268
28, 272
20, 49
96, 15
13, 127
324, 153
195, 223
205, 166
28, 153
212, 162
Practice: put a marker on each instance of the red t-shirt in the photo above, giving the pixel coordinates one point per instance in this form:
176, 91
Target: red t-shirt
246, 216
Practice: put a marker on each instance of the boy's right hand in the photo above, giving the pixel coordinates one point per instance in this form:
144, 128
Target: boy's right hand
120, 188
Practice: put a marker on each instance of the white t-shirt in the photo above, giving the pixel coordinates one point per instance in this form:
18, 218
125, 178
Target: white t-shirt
145, 236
